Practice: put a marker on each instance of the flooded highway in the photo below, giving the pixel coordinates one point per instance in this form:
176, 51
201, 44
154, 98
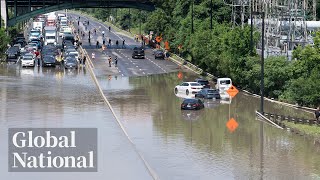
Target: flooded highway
176, 144
197, 144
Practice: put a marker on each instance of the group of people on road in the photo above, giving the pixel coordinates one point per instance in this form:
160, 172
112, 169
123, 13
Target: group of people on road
115, 61
93, 56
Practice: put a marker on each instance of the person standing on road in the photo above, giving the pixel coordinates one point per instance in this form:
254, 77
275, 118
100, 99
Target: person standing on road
95, 31
116, 61
109, 42
123, 44
117, 43
84, 61
97, 45
317, 114
109, 28
102, 33
37, 53
110, 60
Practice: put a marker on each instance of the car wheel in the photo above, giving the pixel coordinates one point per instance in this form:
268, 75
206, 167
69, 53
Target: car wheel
176, 90
187, 92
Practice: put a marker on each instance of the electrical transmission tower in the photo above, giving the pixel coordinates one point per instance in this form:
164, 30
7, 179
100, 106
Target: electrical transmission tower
286, 21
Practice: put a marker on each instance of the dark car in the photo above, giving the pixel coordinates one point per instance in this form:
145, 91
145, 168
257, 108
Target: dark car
192, 104
70, 62
138, 53
208, 94
203, 82
68, 37
48, 60
158, 54
12, 54
22, 42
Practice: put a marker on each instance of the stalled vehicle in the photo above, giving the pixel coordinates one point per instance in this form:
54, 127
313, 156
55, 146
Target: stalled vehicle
12, 54
205, 83
208, 94
192, 104
48, 61
188, 87
28, 60
223, 84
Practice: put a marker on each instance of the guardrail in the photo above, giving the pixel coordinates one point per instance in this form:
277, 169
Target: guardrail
278, 119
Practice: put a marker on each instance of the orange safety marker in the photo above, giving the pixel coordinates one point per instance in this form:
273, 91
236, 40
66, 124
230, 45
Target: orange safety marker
232, 125
232, 91
180, 75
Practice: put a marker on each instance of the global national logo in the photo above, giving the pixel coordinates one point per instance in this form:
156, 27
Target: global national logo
52, 150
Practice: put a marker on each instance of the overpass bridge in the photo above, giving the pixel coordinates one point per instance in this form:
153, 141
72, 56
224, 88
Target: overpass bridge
26, 9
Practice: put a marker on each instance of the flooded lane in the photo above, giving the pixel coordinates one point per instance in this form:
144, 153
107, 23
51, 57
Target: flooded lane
53, 98
197, 145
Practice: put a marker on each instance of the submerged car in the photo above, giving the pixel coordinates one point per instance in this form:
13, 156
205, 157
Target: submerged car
192, 104
208, 94
188, 87
205, 83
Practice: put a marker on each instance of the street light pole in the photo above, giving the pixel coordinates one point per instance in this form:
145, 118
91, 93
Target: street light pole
262, 66
262, 60
251, 27
192, 29
211, 15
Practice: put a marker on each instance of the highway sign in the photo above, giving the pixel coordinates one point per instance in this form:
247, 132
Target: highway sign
232, 91
232, 124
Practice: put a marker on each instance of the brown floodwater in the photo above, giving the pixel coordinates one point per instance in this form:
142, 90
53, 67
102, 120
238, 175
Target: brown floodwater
176, 144
197, 144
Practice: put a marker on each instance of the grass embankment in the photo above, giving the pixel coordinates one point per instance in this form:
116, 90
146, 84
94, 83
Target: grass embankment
305, 129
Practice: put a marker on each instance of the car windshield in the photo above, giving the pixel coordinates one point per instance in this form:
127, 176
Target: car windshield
225, 82
71, 60
189, 101
195, 84
203, 82
27, 57
211, 91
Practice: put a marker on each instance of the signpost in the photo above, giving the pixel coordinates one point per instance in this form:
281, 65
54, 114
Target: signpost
232, 124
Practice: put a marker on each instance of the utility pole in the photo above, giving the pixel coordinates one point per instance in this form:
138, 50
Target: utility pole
192, 29
262, 66
251, 28
211, 16
262, 61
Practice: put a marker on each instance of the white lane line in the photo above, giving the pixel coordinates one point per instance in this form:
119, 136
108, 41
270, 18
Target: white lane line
122, 75
140, 69
143, 73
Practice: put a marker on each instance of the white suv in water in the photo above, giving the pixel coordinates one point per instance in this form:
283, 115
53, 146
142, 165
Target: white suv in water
188, 87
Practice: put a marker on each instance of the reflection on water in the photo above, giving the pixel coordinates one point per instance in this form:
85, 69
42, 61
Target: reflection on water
198, 145
55, 98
